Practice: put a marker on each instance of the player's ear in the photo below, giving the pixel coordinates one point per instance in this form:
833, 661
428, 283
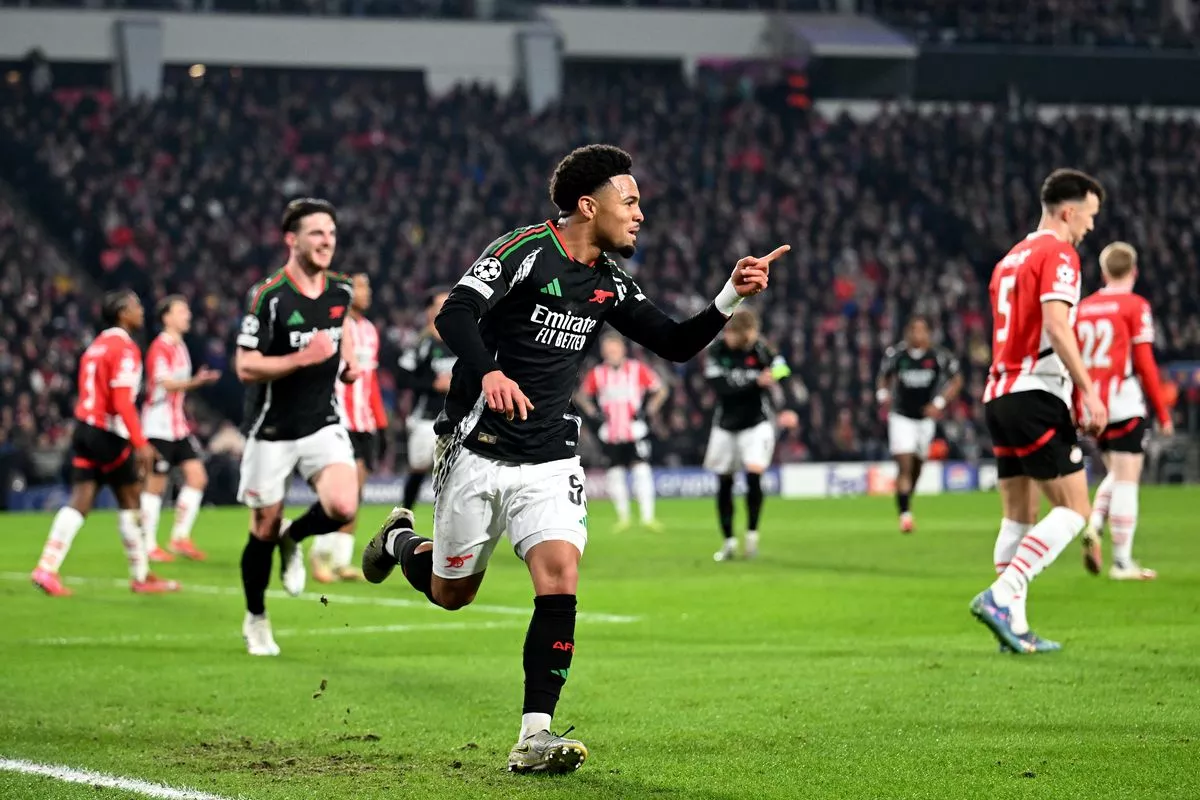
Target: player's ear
588, 206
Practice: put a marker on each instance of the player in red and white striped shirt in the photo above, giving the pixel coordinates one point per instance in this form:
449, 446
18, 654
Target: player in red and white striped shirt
624, 391
1116, 337
1035, 357
361, 406
109, 448
168, 378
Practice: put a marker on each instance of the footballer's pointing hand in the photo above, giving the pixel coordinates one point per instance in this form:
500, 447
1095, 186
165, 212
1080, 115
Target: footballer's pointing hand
750, 274
503, 395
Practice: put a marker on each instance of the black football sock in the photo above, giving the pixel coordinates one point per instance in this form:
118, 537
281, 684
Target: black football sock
313, 522
725, 504
256, 573
417, 567
412, 488
903, 500
754, 500
549, 645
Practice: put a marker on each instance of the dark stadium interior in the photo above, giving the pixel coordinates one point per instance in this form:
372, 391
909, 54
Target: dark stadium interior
180, 195
899, 211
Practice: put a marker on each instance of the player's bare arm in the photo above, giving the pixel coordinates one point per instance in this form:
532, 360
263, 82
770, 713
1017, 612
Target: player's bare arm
252, 366
942, 399
682, 341
952, 388
351, 371
583, 401
203, 377
1057, 323
886, 379
658, 399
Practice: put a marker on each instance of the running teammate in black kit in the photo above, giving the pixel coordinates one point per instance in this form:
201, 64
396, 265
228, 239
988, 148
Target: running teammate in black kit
917, 379
288, 357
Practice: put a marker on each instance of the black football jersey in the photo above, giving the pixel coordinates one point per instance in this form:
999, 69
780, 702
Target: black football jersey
733, 375
919, 374
419, 367
279, 321
539, 311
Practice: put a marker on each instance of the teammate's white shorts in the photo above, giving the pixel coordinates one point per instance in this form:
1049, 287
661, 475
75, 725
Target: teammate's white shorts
267, 466
481, 499
908, 436
421, 441
729, 451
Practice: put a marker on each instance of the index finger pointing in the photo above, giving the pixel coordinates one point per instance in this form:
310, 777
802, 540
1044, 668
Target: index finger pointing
774, 254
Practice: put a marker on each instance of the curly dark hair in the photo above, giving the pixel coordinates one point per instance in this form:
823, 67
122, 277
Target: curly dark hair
583, 171
113, 304
1069, 186
303, 207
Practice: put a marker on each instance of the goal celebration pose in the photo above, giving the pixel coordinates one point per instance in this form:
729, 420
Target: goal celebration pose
521, 321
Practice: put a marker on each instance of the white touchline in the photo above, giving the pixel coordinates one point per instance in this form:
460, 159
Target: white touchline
138, 638
348, 599
86, 776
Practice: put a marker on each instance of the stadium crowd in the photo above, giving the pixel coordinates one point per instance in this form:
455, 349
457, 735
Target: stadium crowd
1046, 23
905, 212
44, 321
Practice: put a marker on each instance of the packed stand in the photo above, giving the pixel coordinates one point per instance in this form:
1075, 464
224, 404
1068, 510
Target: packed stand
183, 210
45, 319
183, 195
1080, 23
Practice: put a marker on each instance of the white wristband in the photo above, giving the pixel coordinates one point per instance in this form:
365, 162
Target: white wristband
882, 396
727, 299
939, 402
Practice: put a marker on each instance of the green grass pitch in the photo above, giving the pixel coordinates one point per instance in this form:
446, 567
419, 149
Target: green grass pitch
841, 664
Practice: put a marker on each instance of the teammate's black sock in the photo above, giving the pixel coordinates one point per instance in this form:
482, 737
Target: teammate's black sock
754, 500
256, 573
549, 645
903, 500
313, 522
412, 488
725, 504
